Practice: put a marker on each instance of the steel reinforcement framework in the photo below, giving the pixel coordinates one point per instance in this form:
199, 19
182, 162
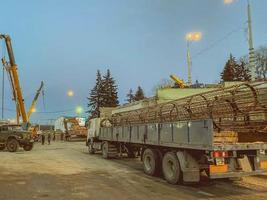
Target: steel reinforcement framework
240, 108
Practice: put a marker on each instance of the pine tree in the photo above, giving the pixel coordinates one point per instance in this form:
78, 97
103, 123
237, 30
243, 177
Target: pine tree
130, 96
229, 68
110, 88
242, 73
96, 97
139, 95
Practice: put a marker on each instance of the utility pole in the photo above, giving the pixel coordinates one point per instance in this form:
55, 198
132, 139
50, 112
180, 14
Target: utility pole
189, 64
3, 91
252, 64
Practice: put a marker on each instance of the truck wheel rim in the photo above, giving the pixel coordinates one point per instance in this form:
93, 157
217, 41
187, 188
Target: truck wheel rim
170, 168
148, 163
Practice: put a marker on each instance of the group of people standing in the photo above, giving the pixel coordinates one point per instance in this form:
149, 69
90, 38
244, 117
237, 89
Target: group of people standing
48, 135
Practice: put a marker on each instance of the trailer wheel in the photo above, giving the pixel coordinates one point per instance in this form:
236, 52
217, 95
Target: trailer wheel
12, 145
150, 162
171, 168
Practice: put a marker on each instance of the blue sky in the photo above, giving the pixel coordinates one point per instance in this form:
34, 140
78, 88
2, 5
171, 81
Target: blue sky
63, 43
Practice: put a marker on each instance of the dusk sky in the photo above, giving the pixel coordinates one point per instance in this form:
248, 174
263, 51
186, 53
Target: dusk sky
64, 42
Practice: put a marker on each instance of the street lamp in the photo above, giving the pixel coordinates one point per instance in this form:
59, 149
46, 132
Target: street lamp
190, 37
70, 93
228, 1
79, 110
252, 62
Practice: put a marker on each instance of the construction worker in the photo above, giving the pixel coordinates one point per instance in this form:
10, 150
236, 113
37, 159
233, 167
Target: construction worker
54, 136
43, 138
49, 137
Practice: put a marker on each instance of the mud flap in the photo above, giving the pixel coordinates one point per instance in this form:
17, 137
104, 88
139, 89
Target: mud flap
189, 167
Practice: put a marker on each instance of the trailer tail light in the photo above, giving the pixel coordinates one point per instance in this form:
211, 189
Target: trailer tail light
263, 164
220, 154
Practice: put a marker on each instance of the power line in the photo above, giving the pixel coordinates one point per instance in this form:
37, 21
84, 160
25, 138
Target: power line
43, 112
218, 41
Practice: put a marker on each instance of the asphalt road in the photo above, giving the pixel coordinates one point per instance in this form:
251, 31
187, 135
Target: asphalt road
65, 170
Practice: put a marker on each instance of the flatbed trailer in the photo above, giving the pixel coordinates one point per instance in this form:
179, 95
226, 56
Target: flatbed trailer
181, 150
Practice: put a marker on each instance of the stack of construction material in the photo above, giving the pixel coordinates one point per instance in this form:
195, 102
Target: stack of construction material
239, 108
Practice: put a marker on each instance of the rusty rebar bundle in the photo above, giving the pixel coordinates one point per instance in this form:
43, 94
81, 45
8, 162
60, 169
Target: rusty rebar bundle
240, 108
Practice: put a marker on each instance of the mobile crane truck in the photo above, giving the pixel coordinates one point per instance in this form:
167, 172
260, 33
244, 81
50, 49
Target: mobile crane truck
221, 133
14, 136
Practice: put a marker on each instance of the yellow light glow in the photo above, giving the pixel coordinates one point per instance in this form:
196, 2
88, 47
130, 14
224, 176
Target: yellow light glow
33, 110
228, 1
79, 110
70, 93
193, 36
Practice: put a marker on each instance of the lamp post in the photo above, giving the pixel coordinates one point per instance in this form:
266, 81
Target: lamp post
190, 37
252, 62
70, 93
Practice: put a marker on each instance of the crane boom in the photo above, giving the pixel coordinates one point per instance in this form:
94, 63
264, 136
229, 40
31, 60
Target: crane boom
12, 70
178, 81
31, 110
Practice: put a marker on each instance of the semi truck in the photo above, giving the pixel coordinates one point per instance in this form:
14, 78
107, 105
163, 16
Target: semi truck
220, 133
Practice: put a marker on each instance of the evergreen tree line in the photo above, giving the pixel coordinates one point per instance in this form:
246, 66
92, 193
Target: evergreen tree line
137, 96
103, 94
235, 71
239, 70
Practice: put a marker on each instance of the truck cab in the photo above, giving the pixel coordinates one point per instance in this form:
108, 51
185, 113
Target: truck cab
13, 136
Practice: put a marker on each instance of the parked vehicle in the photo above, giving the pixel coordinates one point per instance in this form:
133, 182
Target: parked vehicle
180, 141
12, 137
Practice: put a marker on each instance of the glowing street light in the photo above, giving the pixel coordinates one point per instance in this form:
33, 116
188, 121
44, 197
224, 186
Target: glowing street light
190, 37
228, 1
79, 110
193, 36
33, 110
70, 93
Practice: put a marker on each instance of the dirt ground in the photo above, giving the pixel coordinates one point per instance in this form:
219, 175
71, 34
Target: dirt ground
64, 170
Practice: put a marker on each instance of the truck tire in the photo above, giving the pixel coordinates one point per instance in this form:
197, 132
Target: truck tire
171, 168
109, 150
12, 145
151, 162
28, 147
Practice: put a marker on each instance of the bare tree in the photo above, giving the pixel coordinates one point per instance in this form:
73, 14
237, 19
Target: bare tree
261, 61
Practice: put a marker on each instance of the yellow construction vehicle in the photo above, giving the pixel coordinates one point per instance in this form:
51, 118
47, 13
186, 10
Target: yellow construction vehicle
179, 82
12, 71
32, 107
13, 76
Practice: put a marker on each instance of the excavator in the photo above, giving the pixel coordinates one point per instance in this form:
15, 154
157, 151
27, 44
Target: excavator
73, 129
12, 71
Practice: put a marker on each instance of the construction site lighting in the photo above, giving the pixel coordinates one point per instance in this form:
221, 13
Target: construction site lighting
70, 93
193, 36
79, 110
228, 1
33, 110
